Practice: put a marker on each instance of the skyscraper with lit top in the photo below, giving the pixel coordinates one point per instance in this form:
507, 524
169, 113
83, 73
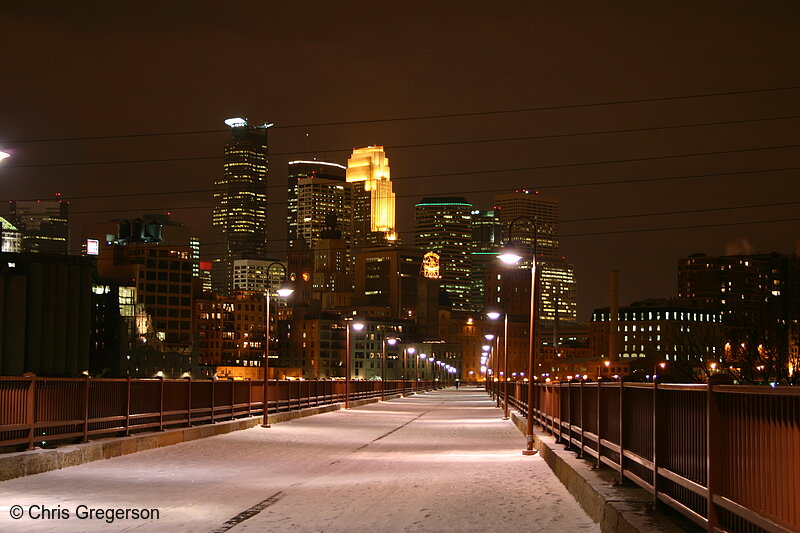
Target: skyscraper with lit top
240, 212
373, 200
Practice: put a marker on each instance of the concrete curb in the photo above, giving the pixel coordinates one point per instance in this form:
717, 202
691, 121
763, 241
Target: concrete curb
19, 464
617, 508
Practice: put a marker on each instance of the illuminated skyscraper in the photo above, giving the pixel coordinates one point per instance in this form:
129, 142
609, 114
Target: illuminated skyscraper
444, 225
487, 239
373, 199
317, 189
542, 210
240, 213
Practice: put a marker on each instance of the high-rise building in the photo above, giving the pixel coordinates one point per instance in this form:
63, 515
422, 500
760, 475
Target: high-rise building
373, 200
386, 281
536, 209
487, 239
332, 261
240, 212
558, 289
43, 224
444, 225
254, 276
317, 189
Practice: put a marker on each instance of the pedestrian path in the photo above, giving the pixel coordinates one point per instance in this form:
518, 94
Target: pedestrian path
440, 461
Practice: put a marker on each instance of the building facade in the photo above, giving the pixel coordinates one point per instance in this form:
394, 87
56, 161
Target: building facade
316, 190
373, 214
239, 216
444, 225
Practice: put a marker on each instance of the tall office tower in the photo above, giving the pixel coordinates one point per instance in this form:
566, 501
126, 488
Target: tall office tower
240, 214
316, 189
487, 239
43, 223
542, 210
386, 281
331, 262
444, 225
255, 275
558, 288
373, 199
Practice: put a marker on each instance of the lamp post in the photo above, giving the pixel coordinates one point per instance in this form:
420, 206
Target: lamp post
490, 359
391, 341
283, 291
422, 357
356, 326
509, 257
494, 315
410, 350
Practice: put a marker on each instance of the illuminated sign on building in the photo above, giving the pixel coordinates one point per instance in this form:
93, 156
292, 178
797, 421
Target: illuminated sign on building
92, 247
430, 265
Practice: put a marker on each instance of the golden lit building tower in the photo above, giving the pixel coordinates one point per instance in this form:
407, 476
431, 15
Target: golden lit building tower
373, 199
240, 212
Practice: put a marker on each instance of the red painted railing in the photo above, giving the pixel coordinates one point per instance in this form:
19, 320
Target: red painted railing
726, 456
41, 411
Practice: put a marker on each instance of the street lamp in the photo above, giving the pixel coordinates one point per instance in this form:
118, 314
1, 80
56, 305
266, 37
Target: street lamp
510, 257
423, 356
489, 338
356, 326
284, 290
4, 155
410, 350
494, 316
391, 341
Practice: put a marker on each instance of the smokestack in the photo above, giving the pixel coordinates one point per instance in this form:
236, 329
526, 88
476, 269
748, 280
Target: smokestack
613, 351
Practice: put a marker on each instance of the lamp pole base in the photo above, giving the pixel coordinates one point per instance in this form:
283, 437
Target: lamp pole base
505, 417
529, 452
265, 425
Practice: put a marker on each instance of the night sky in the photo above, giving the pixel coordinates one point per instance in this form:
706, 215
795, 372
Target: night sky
99, 69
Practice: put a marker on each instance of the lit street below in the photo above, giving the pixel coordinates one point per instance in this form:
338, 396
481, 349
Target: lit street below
440, 461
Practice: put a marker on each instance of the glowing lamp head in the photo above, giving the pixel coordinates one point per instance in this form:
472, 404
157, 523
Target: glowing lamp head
493, 315
285, 290
391, 341
489, 337
486, 347
412, 350
423, 356
510, 258
236, 122
662, 365
4, 155
357, 326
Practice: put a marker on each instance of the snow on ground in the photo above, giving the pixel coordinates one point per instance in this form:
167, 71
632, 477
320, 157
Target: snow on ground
441, 461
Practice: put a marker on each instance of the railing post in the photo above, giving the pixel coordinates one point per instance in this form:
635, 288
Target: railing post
599, 423
249, 397
712, 454
621, 472
213, 382
189, 418
86, 409
580, 412
568, 415
655, 443
128, 407
161, 403
31, 412
233, 395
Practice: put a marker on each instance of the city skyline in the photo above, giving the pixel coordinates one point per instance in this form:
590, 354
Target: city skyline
658, 59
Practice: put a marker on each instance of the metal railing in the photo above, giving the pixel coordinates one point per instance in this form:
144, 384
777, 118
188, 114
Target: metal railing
41, 411
726, 456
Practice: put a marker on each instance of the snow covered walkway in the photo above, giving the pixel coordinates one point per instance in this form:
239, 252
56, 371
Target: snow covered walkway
441, 461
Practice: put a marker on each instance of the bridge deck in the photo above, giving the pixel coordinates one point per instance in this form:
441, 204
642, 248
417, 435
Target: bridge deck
441, 461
